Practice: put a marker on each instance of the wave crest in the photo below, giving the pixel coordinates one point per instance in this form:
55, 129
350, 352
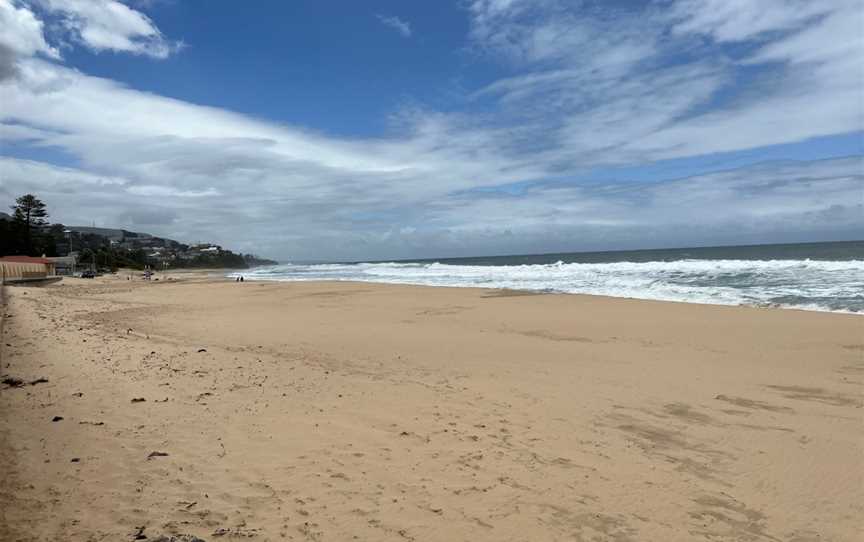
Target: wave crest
804, 284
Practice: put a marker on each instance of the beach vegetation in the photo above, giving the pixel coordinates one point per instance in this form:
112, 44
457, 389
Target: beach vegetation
28, 232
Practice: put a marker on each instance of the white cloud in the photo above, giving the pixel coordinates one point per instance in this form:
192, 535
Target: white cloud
42, 176
651, 83
771, 202
740, 20
22, 31
119, 130
776, 201
170, 191
20, 35
98, 24
109, 25
397, 24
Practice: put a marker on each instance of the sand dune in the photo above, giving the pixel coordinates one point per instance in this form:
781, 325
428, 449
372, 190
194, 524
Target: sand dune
347, 411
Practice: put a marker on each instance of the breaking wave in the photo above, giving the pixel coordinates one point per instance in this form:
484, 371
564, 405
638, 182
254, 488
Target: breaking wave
836, 286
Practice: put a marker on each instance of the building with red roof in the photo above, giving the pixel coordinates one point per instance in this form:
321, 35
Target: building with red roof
23, 268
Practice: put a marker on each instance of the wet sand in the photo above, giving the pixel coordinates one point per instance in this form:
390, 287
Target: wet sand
350, 411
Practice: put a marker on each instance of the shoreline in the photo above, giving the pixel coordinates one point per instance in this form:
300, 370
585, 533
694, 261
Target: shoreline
556, 292
331, 409
779, 277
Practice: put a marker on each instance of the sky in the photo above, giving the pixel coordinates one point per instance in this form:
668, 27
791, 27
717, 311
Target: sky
332, 130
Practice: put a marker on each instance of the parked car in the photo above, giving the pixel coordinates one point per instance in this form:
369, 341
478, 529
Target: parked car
88, 274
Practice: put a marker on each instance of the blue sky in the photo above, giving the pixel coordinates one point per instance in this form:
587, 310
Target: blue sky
354, 130
301, 63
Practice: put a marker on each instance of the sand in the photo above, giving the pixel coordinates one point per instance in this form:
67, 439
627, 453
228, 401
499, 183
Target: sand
350, 411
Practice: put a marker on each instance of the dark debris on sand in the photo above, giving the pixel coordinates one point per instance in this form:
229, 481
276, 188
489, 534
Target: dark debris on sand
15, 382
139, 535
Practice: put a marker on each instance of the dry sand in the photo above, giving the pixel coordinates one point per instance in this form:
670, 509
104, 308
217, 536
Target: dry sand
346, 411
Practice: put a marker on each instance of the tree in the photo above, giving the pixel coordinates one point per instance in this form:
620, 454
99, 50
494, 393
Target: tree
11, 237
30, 212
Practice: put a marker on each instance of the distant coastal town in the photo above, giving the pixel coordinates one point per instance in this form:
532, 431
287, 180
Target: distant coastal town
75, 249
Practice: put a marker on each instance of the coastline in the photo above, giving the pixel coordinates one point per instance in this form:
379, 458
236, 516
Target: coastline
326, 410
725, 277
529, 292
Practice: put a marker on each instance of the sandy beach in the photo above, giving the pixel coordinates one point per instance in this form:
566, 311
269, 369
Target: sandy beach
351, 411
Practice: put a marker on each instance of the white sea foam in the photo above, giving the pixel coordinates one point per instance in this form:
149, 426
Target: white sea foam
803, 284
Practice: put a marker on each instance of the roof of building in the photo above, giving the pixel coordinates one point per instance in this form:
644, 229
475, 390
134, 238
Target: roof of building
71, 260
25, 259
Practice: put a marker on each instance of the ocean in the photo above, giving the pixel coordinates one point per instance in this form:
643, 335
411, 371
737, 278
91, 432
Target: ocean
810, 276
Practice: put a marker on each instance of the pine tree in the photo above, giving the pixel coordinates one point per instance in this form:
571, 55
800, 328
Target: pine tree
30, 212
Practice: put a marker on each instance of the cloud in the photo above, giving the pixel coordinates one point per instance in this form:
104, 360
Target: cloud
170, 191
397, 24
17, 133
8, 67
118, 130
775, 202
147, 217
740, 20
99, 25
21, 36
728, 198
662, 81
22, 31
109, 25
779, 201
